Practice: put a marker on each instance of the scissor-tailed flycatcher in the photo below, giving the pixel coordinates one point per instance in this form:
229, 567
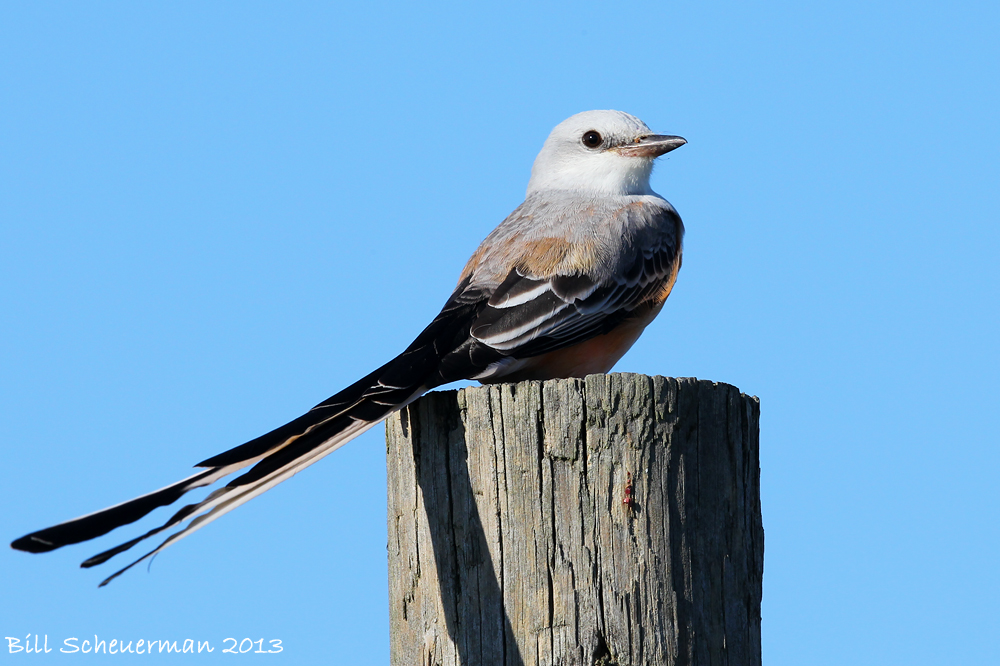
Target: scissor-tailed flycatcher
562, 288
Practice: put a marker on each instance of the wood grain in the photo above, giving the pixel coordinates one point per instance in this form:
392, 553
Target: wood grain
510, 541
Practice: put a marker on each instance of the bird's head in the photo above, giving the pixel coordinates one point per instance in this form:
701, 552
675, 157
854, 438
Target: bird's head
600, 153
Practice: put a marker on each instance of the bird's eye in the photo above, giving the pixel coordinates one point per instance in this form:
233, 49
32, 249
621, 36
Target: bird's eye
592, 139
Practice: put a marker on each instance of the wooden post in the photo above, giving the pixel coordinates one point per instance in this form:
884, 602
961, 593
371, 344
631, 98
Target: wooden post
611, 520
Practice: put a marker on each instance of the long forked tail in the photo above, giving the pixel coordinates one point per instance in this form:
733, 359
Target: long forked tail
443, 352
275, 457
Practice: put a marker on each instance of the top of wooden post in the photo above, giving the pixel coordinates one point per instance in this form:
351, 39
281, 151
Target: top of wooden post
609, 520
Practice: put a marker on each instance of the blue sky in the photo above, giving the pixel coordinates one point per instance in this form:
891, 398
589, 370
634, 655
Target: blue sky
214, 215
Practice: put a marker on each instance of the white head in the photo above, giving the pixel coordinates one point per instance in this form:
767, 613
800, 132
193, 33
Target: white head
600, 153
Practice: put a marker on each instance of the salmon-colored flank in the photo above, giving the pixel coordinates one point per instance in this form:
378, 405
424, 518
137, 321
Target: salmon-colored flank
593, 356
598, 354
668, 284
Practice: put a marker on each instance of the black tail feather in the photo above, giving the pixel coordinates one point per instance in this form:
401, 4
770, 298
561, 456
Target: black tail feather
441, 353
100, 523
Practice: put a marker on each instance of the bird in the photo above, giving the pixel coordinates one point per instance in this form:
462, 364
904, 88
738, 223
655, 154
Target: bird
563, 287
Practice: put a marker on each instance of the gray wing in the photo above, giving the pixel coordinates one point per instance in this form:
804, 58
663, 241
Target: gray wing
527, 316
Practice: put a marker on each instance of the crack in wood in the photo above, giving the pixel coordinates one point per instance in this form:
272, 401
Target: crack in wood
501, 497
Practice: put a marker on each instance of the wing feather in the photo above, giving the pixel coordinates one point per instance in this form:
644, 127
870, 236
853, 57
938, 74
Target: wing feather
527, 315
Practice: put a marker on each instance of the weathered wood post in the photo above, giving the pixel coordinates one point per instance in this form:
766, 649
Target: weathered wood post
611, 520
